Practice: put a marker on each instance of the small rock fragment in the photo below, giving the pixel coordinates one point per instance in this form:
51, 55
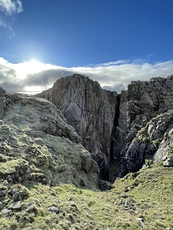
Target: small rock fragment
53, 209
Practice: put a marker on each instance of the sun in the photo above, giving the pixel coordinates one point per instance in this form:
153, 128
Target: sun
27, 71
29, 67
34, 66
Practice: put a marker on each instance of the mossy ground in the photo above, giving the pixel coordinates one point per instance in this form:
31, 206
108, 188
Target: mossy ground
141, 200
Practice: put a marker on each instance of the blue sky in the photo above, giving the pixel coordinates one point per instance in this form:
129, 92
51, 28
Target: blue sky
121, 37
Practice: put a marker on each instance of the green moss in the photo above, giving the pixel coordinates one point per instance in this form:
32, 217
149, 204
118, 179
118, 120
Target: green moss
4, 224
156, 142
4, 158
9, 166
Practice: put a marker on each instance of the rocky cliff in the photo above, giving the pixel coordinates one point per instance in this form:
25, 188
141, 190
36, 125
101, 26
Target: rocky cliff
116, 128
91, 110
38, 146
149, 110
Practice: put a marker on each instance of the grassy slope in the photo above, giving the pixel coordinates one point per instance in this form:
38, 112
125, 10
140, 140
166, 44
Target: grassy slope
141, 200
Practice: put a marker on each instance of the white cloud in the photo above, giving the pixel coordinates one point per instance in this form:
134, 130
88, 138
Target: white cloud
10, 7
119, 76
36, 76
119, 62
7, 28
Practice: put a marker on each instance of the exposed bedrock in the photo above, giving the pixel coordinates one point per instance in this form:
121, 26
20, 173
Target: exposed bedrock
111, 124
149, 109
38, 146
90, 110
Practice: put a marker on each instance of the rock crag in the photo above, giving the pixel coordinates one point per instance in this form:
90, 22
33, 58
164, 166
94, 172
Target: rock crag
111, 124
90, 110
38, 146
149, 110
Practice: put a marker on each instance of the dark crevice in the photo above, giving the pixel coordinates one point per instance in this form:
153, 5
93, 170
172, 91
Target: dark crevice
116, 145
114, 130
109, 167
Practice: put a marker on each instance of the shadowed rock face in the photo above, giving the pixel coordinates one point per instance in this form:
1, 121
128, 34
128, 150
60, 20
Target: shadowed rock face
2, 101
149, 120
90, 110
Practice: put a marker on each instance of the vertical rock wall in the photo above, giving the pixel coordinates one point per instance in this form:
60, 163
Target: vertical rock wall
90, 110
147, 101
2, 102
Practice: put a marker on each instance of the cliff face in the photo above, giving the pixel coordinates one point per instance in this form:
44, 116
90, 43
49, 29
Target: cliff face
90, 110
121, 131
149, 120
38, 146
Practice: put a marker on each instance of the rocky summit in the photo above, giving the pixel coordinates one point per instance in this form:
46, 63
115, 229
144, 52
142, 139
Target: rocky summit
77, 156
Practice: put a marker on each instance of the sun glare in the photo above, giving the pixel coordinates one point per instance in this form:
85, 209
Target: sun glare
34, 66
29, 67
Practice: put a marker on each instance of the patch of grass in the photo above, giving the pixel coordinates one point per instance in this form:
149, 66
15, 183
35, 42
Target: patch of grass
9, 167
139, 200
151, 191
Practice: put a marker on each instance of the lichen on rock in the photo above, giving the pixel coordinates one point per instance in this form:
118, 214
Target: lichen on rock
38, 146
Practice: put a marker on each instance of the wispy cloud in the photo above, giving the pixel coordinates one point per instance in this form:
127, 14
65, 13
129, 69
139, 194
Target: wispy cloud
113, 76
5, 27
10, 7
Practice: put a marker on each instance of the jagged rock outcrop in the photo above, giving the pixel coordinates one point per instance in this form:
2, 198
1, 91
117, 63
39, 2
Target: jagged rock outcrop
110, 123
153, 143
91, 110
38, 146
148, 99
149, 122
2, 101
